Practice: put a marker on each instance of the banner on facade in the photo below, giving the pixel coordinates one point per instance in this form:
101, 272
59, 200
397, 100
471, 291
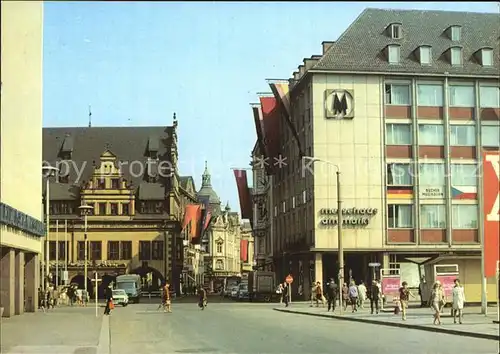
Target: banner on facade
491, 203
244, 250
271, 116
192, 216
244, 194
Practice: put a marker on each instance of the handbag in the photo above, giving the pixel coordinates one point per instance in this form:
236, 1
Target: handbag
111, 305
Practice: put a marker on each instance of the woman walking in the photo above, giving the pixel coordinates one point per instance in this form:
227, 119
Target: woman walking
345, 296
458, 301
436, 301
109, 300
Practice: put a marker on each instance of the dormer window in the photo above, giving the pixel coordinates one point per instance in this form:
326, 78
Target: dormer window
425, 55
395, 31
487, 57
455, 33
393, 53
456, 56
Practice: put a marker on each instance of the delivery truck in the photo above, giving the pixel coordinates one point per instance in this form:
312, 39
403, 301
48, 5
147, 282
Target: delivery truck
261, 286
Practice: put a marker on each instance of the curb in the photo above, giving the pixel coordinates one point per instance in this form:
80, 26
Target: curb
104, 337
396, 324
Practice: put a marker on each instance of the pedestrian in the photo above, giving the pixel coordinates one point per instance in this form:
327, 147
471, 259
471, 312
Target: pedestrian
313, 294
362, 294
421, 290
458, 301
353, 296
279, 291
48, 298
435, 301
345, 295
167, 302
404, 297
319, 294
108, 294
332, 293
202, 301
41, 299
374, 297
285, 297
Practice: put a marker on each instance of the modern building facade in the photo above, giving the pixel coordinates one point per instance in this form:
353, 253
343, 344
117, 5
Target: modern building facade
403, 104
129, 178
21, 219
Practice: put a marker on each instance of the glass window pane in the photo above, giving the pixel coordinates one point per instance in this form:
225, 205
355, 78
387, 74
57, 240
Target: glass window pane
425, 55
455, 33
399, 134
464, 175
399, 174
432, 174
456, 56
490, 135
394, 54
430, 95
400, 216
462, 96
431, 134
397, 94
464, 216
489, 96
433, 216
487, 55
462, 135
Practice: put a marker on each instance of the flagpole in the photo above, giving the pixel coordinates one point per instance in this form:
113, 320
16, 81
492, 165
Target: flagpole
66, 252
57, 253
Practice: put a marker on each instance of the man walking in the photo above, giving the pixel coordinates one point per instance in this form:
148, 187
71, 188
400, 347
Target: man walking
332, 293
362, 294
374, 296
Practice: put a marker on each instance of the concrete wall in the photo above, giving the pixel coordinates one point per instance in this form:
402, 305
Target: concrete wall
21, 114
356, 146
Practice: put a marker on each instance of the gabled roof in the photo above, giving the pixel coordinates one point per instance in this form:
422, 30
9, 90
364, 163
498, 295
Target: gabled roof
360, 47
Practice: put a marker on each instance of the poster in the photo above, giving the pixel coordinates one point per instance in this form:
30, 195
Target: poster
491, 200
448, 282
391, 285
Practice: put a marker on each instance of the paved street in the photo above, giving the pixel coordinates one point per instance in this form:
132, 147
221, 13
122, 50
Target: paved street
222, 328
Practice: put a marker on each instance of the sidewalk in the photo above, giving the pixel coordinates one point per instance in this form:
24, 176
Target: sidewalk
475, 325
61, 330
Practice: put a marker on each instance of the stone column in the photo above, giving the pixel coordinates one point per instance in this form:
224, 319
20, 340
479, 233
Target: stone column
7, 281
318, 268
19, 280
32, 273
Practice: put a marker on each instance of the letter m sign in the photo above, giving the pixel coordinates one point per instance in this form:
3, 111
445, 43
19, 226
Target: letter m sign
491, 200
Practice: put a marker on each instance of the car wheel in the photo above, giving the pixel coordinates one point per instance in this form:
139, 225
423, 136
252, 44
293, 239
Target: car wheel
124, 304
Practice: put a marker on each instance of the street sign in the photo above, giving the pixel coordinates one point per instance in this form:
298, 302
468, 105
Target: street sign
289, 279
373, 264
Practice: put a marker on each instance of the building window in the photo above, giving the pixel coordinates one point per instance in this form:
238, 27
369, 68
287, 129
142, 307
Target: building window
125, 209
425, 55
219, 265
126, 250
464, 216
399, 174
462, 135
62, 250
149, 207
394, 52
430, 95
396, 31
490, 135
219, 247
113, 250
115, 183
52, 250
455, 33
487, 57
144, 250
62, 208
80, 250
433, 216
114, 208
464, 175
489, 96
157, 254
431, 134
397, 94
102, 208
462, 96
101, 183
456, 55
432, 174
400, 216
398, 134
95, 250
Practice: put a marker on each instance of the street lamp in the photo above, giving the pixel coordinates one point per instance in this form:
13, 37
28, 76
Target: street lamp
339, 223
86, 210
48, 171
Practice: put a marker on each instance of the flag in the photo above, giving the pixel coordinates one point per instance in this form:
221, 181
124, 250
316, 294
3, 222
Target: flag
243, 193
206, 216
271, 118
259, 127
281, 91
192, 213
244, 250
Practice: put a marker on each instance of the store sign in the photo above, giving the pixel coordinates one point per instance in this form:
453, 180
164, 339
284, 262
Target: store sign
352, 217
432, 192
339, 104
21, 221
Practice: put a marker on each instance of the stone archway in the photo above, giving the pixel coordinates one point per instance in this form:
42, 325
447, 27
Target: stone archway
158, 279
79, 280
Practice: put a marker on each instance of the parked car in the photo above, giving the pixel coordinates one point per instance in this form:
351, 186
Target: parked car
234, 292
120, 297
243, 293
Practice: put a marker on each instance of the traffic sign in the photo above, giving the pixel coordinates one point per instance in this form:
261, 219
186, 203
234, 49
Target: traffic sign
289, 279
373, 264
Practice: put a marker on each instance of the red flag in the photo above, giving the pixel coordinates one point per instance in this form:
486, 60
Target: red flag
195, 224
207, 220
244, 250
491, 192
271, 116
243, 193
189, 213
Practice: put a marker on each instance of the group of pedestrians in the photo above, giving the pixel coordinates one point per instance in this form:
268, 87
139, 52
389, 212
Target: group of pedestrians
166, 302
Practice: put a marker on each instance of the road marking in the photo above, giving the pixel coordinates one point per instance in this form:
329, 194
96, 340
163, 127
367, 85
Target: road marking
104, 337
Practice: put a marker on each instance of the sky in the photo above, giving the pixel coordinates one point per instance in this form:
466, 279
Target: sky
136, 63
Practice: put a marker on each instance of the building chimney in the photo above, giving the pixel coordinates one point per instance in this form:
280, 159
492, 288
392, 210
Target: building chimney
296, 75
302, 70
326, 46
317, 57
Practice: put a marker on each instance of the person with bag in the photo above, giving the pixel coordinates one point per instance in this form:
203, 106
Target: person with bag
332, 293
353, 296
202, 302
404, 297
167, 303
109, 301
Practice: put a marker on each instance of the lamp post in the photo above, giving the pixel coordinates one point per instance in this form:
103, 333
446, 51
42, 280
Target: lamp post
86, 210
339, 223
48, 171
